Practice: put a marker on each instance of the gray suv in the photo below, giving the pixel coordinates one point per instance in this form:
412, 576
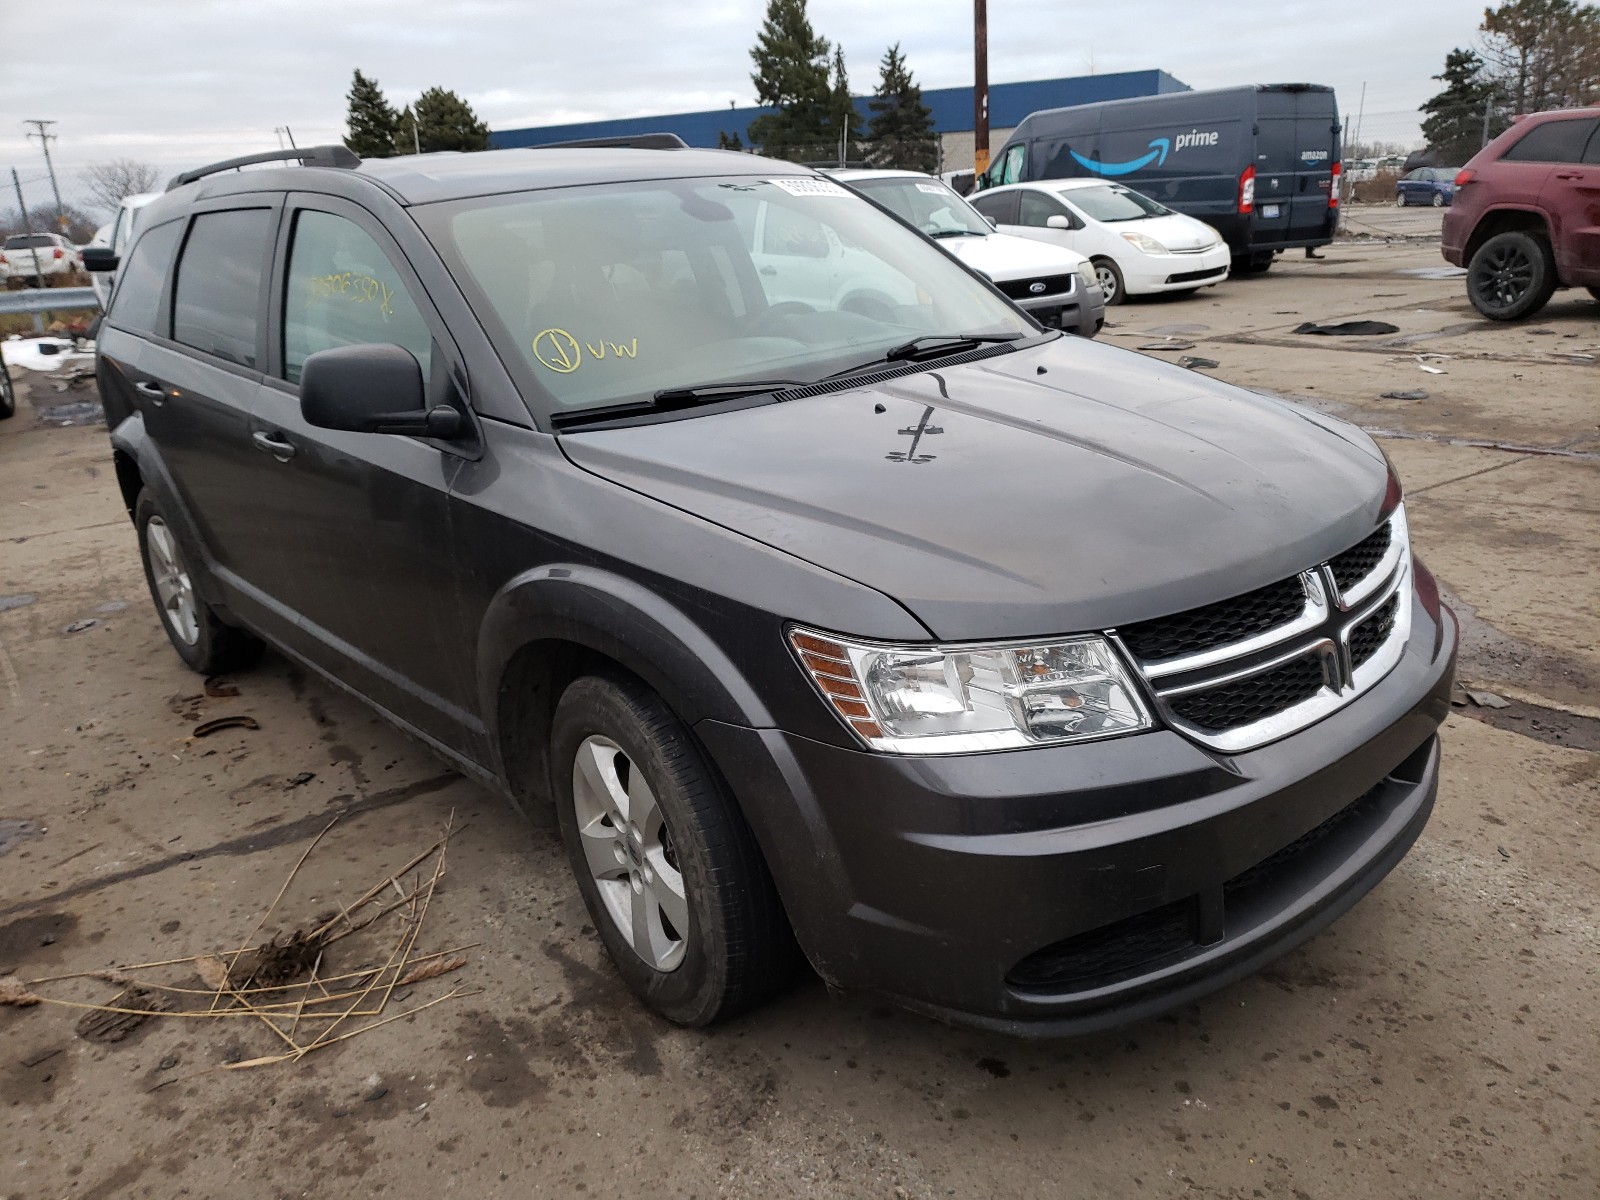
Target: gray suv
1033, 683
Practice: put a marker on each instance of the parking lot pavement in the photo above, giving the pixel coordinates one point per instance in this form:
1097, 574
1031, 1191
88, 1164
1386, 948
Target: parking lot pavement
1390, 221
1436, 1042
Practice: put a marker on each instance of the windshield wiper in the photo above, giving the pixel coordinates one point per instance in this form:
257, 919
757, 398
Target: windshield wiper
669, 399
944, 233
940, 343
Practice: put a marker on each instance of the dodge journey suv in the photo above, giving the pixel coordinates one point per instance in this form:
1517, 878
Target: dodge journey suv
1033, 683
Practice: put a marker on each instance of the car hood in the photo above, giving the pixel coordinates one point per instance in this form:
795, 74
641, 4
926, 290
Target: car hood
1001, 256
1065, 487
1175, 231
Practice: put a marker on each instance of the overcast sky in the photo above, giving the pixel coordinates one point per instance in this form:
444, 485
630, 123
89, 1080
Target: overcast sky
182, 82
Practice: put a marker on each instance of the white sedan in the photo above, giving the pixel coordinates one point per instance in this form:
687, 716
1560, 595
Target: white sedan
1138, 247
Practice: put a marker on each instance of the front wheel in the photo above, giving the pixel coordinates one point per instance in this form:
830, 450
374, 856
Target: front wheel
1438, 199
1400, 200
1512, 275
1109, 278
202, 640
667, 867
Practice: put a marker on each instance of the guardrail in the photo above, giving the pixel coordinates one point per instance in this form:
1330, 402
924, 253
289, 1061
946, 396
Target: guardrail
38, 300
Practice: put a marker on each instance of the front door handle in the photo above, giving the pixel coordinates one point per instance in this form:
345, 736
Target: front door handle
156, 394
1569, 174
275, 444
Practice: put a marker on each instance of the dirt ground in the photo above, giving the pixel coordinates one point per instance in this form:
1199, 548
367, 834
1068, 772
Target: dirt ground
1442, 1040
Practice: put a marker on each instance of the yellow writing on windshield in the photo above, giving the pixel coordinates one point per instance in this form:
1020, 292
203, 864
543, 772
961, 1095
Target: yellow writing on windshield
563, 353
355, 287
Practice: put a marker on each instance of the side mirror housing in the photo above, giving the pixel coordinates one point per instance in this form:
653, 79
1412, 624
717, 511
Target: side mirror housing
100, 258
993, 224
1057, 221
371, 389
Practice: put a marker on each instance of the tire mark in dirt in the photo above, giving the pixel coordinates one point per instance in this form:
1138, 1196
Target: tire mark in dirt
268, 839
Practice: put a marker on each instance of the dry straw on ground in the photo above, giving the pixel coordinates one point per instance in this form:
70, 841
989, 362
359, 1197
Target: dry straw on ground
289, 982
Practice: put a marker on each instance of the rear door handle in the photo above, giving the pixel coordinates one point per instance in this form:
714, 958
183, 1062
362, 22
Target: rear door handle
156, 393
1569, 174
275, 444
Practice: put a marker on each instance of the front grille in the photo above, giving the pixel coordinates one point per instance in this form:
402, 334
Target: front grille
1022, 289
1197, 276
1247, 700
1369, 636
1217, 624
1356, 563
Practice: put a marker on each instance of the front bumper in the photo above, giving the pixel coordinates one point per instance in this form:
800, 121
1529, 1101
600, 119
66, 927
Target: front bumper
1062, 890
1152, 273
1081, 311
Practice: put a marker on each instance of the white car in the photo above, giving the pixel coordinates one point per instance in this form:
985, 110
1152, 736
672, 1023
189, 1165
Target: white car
1138, 247
116, 238
26, 257
1055, 284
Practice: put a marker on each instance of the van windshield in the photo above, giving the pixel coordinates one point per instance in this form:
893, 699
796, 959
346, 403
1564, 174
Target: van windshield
1109, 202
607, 294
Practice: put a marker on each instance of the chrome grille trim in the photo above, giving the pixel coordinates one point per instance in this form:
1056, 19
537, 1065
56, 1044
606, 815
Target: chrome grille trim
1324, 627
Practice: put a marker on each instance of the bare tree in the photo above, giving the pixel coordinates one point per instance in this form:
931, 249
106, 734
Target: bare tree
109, 182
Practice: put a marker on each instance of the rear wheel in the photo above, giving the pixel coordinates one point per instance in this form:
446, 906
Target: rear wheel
1438, 199
1252, 264
1400, 200
203, 641
1512, 275
1109, 278
667, 867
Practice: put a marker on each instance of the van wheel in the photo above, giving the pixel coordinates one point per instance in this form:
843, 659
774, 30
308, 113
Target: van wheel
1438, 199
1110, 281
1512, 275
1252, 264
668, 869
204, 642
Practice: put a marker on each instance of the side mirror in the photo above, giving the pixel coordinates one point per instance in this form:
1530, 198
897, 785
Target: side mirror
371, 389
99, 258
1057, 221
993, 224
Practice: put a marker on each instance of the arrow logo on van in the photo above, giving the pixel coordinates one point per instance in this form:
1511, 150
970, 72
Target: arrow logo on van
1157, 155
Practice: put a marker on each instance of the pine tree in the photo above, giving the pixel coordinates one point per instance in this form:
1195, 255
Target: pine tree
372, 122
792, 74
902, 133
844, 122
446, 122
406, 137
729, 141
1454, 124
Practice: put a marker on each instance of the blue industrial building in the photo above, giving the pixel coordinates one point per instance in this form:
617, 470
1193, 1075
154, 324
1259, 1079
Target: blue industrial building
951, 108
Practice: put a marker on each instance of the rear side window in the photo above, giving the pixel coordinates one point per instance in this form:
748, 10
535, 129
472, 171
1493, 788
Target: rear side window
216, 303
140, 279
1552, 142
342, 291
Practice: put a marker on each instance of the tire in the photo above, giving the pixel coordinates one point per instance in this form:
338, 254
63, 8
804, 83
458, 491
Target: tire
1109, 277
8, 392
203, 641
1511, 276
1438, 199
651, 832
1594, 291
1252, 264
1400, 200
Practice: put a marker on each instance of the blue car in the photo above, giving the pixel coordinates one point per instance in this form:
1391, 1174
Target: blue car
1426, 185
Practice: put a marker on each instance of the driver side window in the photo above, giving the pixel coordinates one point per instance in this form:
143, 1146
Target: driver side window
342, 290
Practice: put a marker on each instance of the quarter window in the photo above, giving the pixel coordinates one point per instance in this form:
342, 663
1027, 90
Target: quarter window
343, 291
140, 279
1552, 142
216, 303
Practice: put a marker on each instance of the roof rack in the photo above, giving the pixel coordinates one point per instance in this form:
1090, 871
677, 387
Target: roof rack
311, 156
636, 141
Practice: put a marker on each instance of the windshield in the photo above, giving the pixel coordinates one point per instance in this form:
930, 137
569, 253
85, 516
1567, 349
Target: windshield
1113, 203
605, 295
926, 203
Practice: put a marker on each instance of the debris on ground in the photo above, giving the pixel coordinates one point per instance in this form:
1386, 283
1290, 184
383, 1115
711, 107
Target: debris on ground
1348, 328
1416, 395
1198, 364
286, 982
219, 688
298, 780
80, 626
1172, 345
237, 721
1487, 699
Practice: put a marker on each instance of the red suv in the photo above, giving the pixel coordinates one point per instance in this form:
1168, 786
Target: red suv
1526, 217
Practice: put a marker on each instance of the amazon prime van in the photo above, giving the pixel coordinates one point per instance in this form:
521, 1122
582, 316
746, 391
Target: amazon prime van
1259, 163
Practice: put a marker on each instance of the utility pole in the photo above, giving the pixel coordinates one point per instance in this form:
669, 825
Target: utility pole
27, 225
289, 133
980, 87
1488, 107
45, 137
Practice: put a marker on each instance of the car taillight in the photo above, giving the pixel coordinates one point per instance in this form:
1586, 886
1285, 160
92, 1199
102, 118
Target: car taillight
1247, 190
1333, 192
57, 254
4, 262
1463, 176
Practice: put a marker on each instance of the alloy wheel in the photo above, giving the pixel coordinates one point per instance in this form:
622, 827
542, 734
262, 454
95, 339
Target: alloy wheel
1503, 276
1106, 276
630, 853
174, 587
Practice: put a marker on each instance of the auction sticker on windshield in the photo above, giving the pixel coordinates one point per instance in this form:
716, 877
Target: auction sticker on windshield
808, 187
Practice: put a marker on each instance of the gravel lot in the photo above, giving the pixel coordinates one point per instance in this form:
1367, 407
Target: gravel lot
1439, 1041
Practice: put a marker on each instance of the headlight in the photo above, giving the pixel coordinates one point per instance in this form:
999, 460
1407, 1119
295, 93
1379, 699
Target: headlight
1086, 275
959, 699
1146, 243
